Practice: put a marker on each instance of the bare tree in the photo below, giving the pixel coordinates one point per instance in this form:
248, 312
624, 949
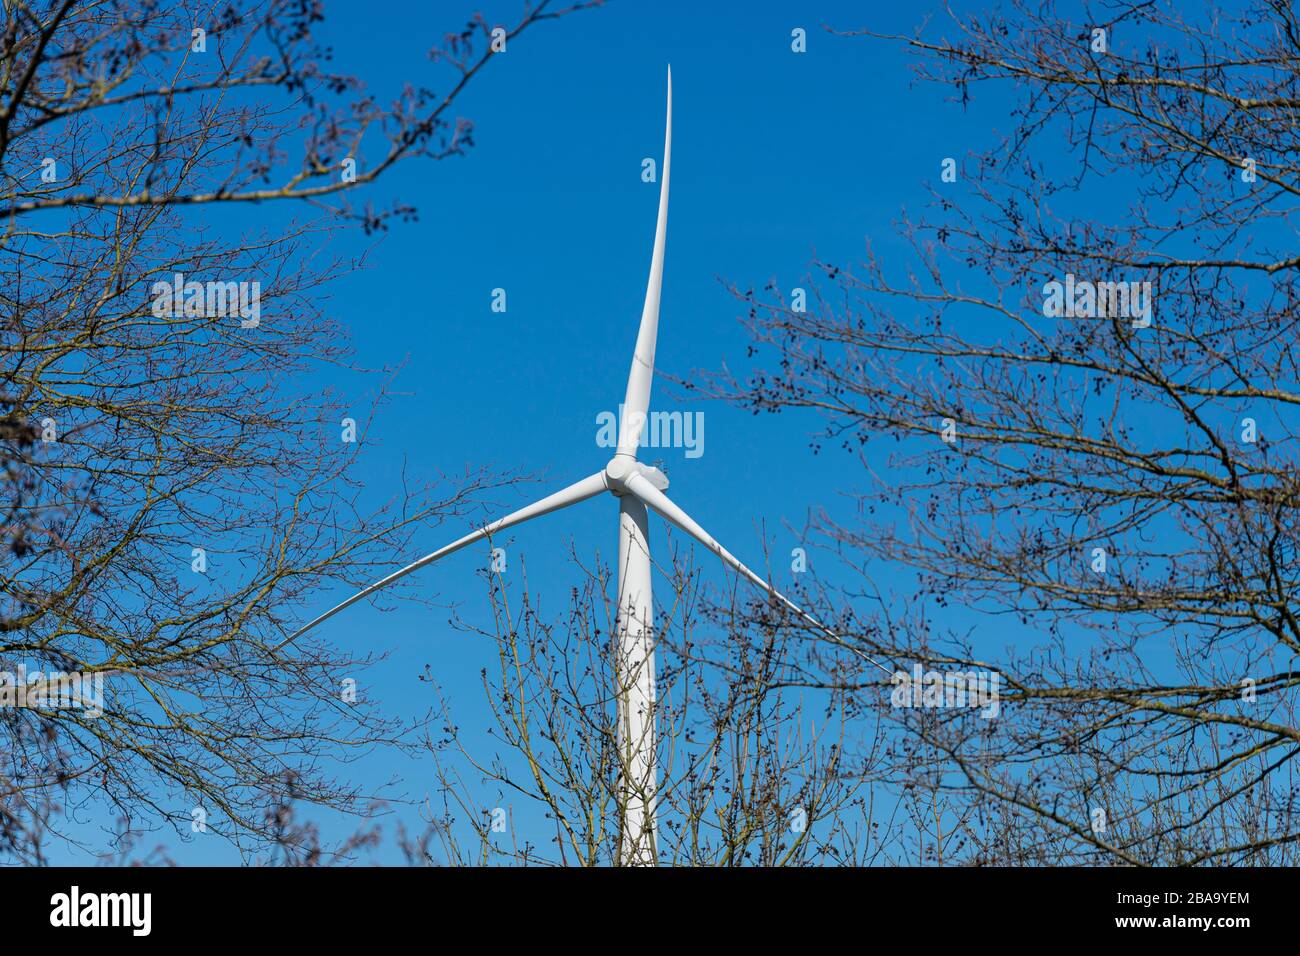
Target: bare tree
1075, 411
174, 485
762, 760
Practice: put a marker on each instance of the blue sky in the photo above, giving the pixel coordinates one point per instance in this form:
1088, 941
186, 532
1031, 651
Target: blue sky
776, 155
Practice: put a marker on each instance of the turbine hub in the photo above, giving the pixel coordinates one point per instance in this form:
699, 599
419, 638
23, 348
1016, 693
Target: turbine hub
617, 472
622, 467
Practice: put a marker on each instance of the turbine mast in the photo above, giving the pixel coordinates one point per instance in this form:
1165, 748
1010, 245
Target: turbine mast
634, 663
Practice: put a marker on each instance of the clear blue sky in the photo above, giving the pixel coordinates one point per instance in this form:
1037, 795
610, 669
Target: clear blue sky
775, 155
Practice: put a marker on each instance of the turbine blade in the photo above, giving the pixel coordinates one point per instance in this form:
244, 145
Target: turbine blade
637, 400
640, 486
579, 491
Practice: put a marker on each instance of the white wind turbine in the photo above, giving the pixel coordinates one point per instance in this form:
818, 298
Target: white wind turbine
637, 487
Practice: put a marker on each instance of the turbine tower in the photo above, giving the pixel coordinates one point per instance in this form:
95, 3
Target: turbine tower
638, 488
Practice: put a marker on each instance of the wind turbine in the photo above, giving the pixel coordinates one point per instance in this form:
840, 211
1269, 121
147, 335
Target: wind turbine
637, 487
